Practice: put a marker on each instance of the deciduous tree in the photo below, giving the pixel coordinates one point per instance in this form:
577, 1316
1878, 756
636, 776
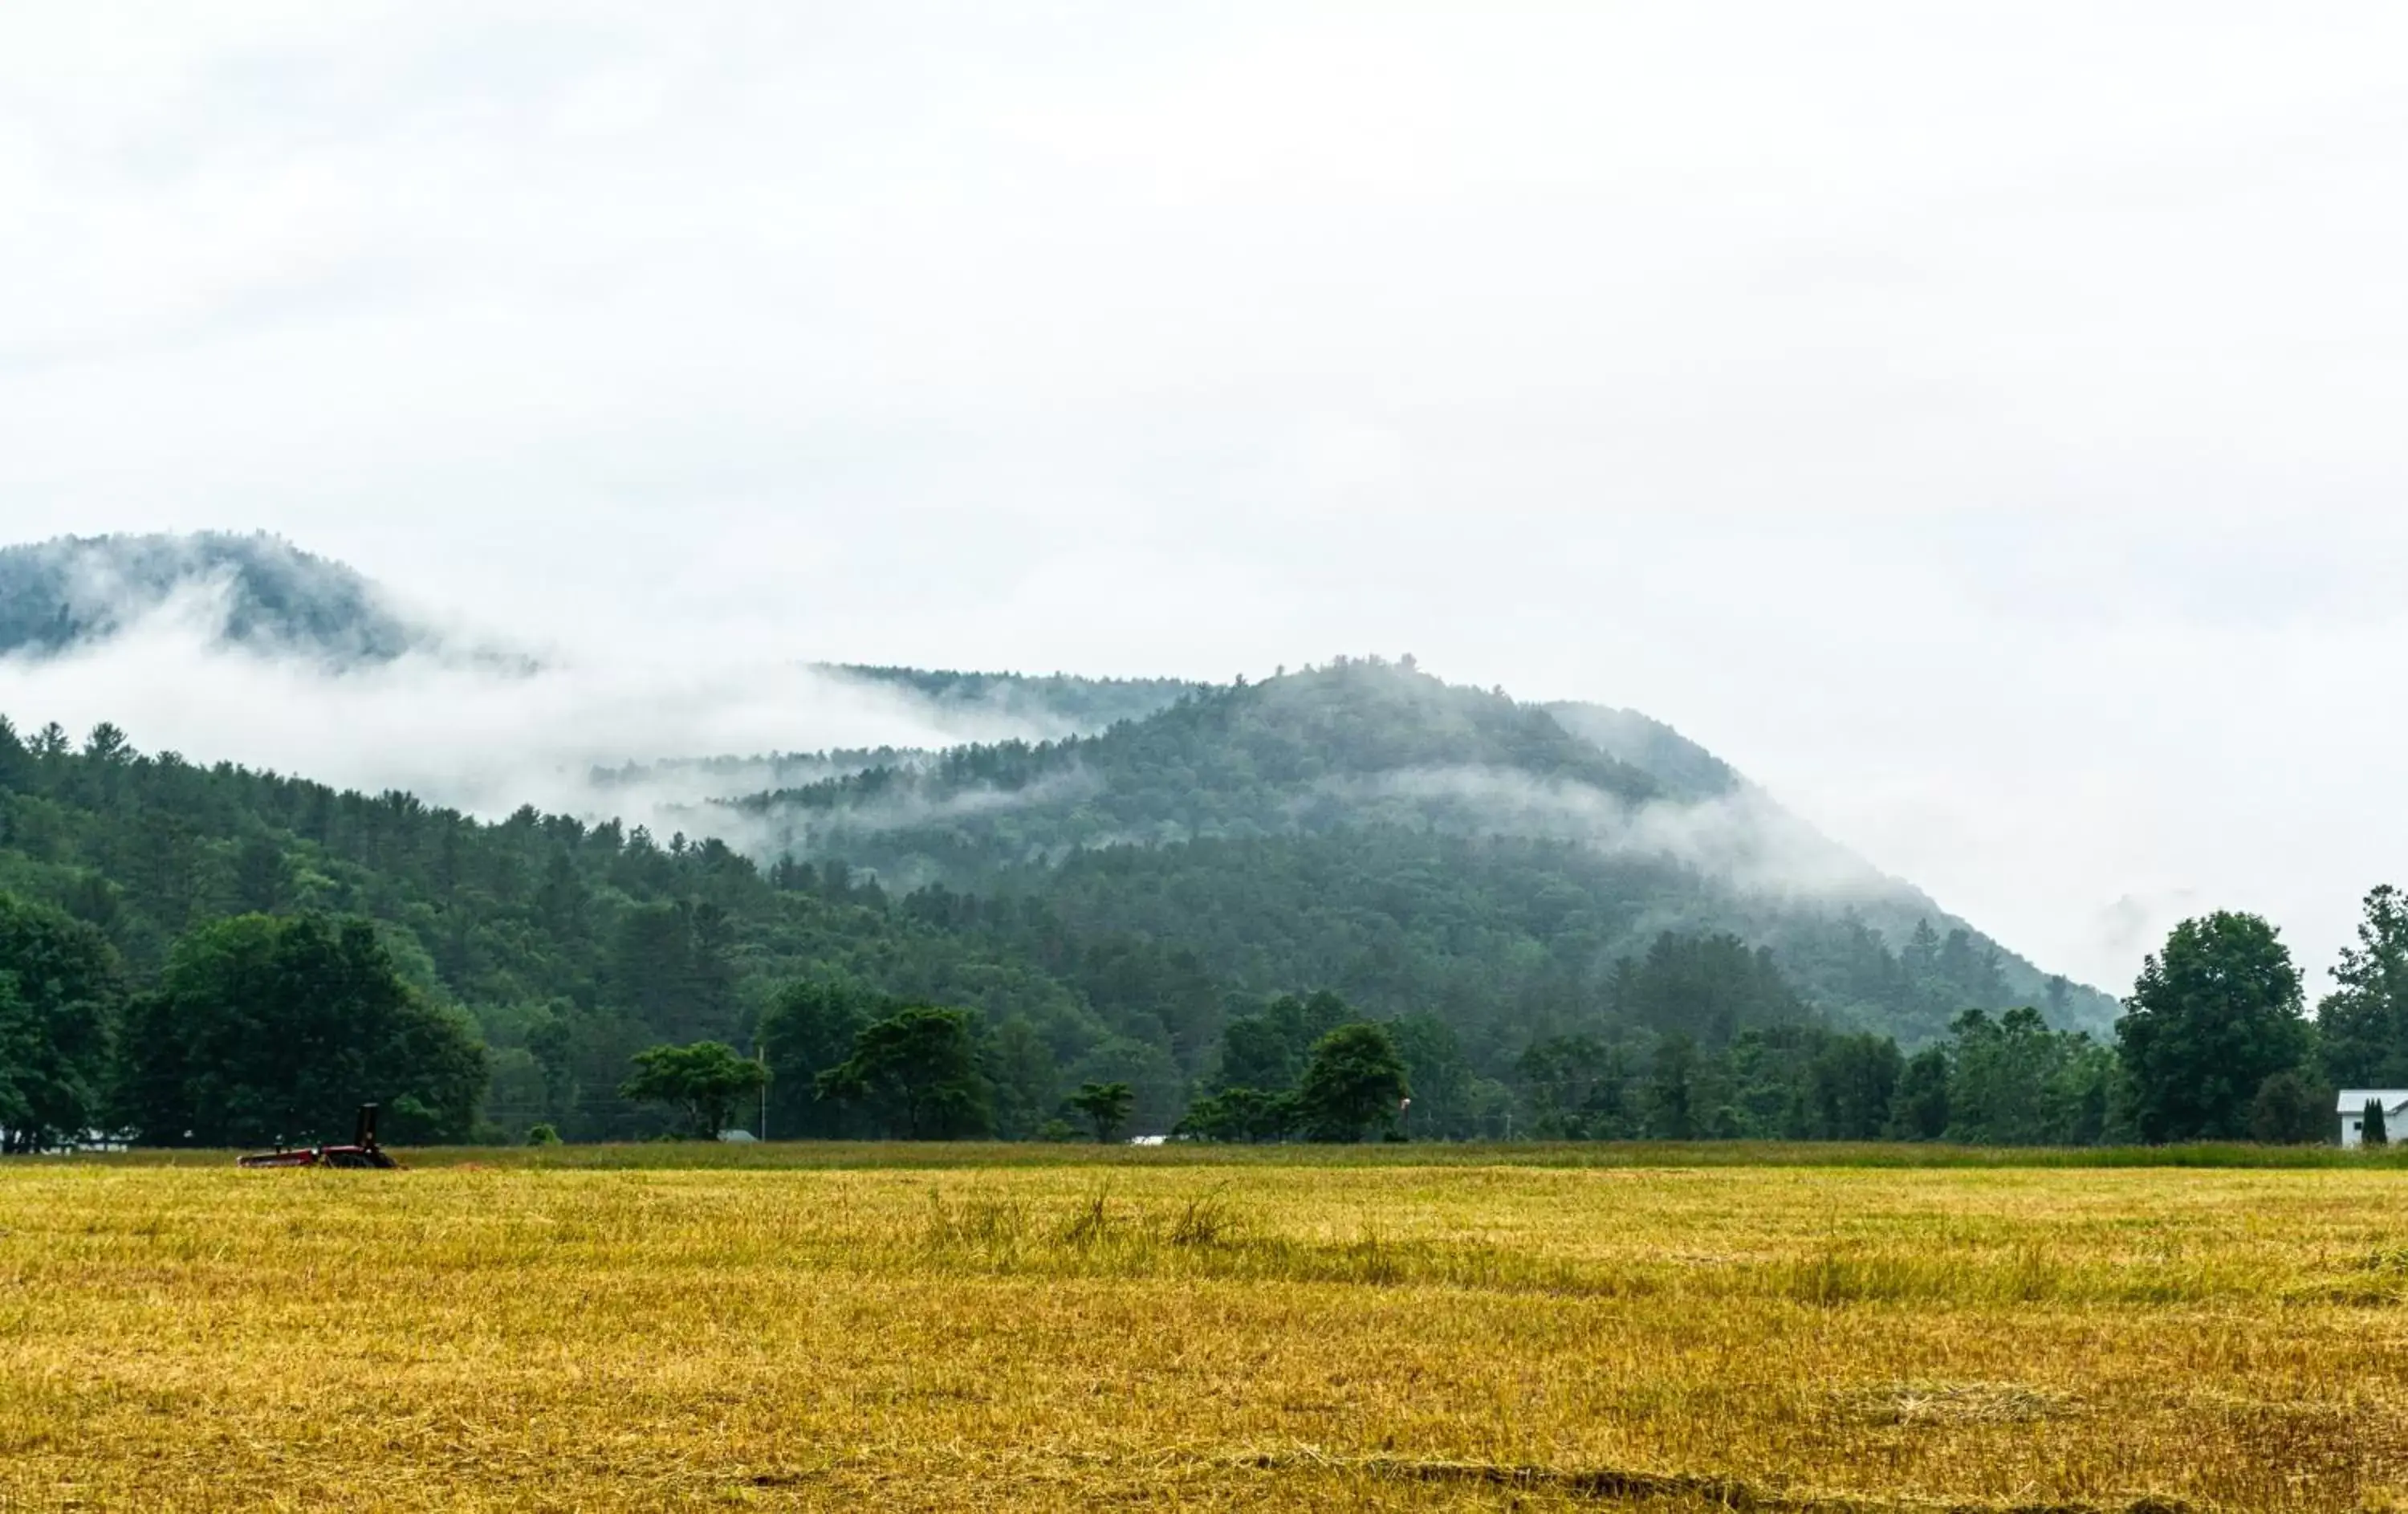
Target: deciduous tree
2362, 1025
917, 1073
60, 995
2289, 1110
706, 1082
1106, 1106
2212, 1015
264, 1030
1240, 1114
1355, 1084
807, 1030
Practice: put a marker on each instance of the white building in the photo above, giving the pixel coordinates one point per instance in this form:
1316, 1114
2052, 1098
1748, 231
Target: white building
2352, 1107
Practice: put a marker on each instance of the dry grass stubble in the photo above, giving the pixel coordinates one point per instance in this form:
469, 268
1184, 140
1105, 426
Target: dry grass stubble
1274, 1338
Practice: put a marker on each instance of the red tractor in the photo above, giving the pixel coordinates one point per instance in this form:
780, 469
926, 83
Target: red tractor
363, 1151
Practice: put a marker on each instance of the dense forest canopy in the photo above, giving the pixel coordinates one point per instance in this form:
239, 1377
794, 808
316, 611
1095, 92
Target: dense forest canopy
1368, 826
1652, 832
1106, 909
1522, 894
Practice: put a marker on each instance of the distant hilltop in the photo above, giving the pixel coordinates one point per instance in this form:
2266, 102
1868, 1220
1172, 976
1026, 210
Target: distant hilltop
1367, 825
261, 592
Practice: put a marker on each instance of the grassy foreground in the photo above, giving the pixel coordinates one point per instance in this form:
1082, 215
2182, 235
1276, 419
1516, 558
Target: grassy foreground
1274, 1333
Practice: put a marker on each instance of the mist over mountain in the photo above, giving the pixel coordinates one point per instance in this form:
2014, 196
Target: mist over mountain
1681, 766
960, 707
70, 592
1051, 705
1109, 872
1369, 826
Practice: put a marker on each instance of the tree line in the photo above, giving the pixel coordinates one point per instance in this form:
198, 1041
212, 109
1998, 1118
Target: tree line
525, 965
263, 1029
2214, 1046
569, 946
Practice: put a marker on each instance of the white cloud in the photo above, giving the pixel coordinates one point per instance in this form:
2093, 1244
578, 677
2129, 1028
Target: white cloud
1976, 422
1742, 838
466, 731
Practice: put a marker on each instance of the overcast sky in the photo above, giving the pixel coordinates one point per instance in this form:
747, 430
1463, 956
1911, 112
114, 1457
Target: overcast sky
1982, 424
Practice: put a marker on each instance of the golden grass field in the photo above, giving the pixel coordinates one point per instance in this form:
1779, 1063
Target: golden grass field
1152, 1331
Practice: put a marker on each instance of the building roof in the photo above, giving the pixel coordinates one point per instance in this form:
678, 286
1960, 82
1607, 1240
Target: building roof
2354, 1101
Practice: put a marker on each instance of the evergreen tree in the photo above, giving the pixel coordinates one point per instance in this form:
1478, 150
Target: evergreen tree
1440, 1076
1672, 1090
1025, 1079
1852, 1085
1575, 1086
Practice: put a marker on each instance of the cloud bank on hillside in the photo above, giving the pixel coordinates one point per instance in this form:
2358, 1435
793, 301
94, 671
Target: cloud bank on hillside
466, 731
1742, 837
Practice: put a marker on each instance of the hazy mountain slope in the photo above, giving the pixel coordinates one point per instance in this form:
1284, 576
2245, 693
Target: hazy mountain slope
1442, 855
1049, 706
1354, 744
59, 594
1680, 765
967, 707
1522, 850
1370, 828
1891, 907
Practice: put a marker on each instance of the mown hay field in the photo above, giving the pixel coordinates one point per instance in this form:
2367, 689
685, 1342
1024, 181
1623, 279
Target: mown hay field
1276, 1333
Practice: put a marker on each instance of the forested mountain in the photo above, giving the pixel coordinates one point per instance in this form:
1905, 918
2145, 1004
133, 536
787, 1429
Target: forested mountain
1681, 768
57, 595
1548, 905
1367, 828
1117, 909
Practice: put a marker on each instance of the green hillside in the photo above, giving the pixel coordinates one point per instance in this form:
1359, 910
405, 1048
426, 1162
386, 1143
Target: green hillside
1120, 908
1368, 828
1555, 909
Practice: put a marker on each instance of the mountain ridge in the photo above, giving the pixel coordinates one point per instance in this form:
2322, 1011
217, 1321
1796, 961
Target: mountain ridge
1317, 759
1362, 763
70, 592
